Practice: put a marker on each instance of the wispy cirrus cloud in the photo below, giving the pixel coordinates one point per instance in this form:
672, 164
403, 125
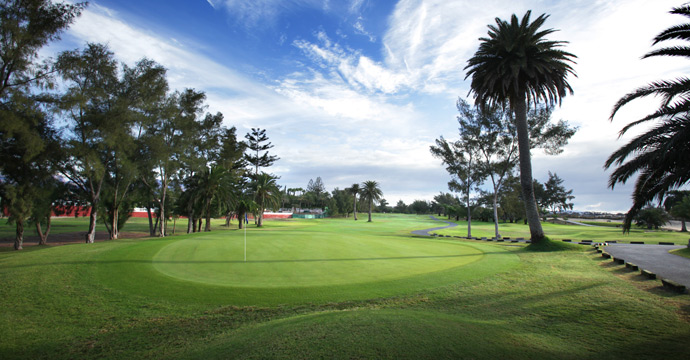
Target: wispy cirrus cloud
237, 95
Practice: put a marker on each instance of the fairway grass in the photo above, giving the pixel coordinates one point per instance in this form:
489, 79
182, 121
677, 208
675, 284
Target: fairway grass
558, 232
113, 300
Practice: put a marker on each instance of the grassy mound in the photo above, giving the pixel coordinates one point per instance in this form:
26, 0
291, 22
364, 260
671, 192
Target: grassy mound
548, 245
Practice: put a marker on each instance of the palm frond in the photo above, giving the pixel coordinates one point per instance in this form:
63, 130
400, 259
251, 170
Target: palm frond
667, 89
683, 51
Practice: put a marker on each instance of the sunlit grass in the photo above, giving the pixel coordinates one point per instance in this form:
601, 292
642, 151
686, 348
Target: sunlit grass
107, 300
575, 233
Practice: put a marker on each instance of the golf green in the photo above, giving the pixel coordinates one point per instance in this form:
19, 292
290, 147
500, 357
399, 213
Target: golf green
292, 262
296, 260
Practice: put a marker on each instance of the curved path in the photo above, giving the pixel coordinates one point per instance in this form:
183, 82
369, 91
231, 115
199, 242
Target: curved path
655, 258
427, 231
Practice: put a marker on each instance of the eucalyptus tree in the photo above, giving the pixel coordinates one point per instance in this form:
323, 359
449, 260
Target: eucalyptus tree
196, 160
257, 150
460, 158
677, 203
354, 191
26, 132
516, 66
96, 121
143, 89
27, 174
169, 139
341, 200
26, 26
490, 131
660, 155
371, 193
266, 193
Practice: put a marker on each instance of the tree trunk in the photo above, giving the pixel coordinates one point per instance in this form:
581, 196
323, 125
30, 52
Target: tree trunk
531, 210
498, 236
155, 226
240, 218
19, 235
91, 235
115, 210
469, 214
683, 227
152, 229
199, 222
371, 204
43, 237
164, 192
114, 233
208, 222
208, 215
190, 223
354, 211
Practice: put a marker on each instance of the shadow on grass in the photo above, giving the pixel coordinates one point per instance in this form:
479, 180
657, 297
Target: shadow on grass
548, 245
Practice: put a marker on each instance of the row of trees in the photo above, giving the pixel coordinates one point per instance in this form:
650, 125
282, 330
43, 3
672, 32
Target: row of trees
86, 130
488, 149
551, 197
338, 202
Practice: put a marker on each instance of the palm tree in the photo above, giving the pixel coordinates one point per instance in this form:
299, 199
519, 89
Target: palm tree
266, 192
244, 206
660, 155
213, 183
354, 190
370, 193
517, 66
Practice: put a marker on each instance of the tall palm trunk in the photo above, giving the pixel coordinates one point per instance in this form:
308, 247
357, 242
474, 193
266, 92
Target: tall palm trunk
531, 210
260, 220
371, 205
208, 214
355, 207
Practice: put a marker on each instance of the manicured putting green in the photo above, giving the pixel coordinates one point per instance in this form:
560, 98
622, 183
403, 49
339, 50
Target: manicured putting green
299, 259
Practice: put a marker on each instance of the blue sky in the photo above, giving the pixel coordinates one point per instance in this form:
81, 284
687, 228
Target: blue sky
358, 90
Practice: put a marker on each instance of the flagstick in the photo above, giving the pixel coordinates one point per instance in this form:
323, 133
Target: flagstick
245, 242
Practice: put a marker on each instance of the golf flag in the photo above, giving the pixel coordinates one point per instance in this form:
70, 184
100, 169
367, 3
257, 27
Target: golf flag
246, 218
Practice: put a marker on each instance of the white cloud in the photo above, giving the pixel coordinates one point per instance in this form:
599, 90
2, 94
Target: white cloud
239, 97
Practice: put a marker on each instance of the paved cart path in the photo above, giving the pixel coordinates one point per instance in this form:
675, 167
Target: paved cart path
427, 231
655, 258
